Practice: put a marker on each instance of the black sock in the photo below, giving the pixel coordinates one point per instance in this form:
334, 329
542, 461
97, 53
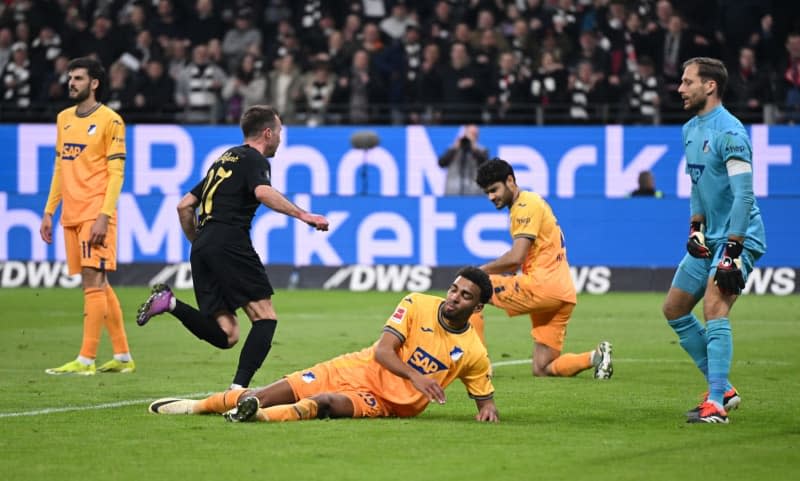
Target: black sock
255, 350
204, 328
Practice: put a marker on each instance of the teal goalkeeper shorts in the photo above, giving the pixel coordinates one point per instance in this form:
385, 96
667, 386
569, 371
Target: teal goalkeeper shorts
693, 273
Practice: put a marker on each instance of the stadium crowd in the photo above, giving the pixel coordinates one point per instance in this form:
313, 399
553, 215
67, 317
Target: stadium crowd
400, 61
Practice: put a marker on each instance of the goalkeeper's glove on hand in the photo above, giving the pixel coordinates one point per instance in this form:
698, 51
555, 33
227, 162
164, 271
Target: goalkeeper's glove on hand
696, 245
729, 277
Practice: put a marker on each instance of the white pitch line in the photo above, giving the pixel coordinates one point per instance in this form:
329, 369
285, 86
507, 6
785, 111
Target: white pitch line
117, 404
514, 362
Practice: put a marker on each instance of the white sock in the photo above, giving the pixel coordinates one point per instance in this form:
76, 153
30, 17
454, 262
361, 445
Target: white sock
85, 361
172, 303
123, 357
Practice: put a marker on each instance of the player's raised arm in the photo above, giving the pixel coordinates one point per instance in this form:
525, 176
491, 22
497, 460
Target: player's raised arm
278, 202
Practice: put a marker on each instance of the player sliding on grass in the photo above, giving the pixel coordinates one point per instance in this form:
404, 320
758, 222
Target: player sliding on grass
426, 343
544, 289
719, 162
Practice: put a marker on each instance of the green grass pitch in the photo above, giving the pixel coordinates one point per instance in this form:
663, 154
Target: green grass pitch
629, 428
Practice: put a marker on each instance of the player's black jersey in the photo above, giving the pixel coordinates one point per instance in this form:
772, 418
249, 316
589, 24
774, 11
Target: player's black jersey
227, 192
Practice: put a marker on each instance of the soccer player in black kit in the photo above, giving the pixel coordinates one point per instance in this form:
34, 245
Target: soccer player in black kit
227, 272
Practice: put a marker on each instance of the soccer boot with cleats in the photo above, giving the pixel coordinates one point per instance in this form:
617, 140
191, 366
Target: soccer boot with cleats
710, 413
115, 365
73, 367
171, 405
158, 303
245, 410
603, 365
730, 401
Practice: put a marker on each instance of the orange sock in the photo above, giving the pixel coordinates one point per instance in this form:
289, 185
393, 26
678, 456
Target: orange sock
95, 307
478, 322
115, 324
299, 411
220, 402
571, 364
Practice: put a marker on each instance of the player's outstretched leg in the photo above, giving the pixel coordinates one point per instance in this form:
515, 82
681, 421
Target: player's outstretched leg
604, 367
170, 405
160, 301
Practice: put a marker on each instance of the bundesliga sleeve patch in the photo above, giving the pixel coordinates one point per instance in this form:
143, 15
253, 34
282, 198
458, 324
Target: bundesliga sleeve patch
398, 315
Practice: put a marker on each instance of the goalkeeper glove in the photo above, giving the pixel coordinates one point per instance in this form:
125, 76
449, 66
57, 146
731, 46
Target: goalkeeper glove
696, 245
729, 277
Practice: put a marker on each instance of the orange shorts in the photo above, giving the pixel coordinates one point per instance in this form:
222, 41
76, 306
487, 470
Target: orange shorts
80, 253
326, 377
549, 316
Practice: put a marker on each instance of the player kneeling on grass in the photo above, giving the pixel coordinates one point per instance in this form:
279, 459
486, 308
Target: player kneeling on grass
426, 343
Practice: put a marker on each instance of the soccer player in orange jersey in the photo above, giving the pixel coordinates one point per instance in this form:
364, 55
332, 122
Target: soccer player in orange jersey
87, 180
543, 289
427, 342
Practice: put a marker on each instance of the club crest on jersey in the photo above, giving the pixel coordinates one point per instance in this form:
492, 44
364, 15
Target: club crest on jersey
706, 146
72, 151
308, 377
425, 363
456, 354
695, 171
398, 315
92, 129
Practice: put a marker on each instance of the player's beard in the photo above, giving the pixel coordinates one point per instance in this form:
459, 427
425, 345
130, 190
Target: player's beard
695, 106
80, 95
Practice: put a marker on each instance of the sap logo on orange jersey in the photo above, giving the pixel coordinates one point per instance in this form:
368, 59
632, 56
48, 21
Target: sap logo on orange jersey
72, 151
424, 362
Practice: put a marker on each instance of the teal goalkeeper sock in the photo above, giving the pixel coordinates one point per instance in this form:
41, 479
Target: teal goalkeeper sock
720, 353
692, 337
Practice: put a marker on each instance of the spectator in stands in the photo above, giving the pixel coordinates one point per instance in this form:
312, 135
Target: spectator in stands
120, 89
427, 88
587, 95
462, 160
198, 87
548, 87
644, 91
318, 87
54, 93
639, 42
135, 23
508, 98
203, 25
674, 49
462, 90
102, 41
76, 32
486, 55
440, 28
748, 89
166, 24
178, 58
239, 38
791, 79
362, 90
338, 58
395, 25
487, 23
17, 82
523, 44
285, 88
156, 97
44, 50
647, 186
245, 88
6, 40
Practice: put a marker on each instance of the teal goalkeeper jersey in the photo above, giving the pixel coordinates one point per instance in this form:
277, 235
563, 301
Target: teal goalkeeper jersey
710, 140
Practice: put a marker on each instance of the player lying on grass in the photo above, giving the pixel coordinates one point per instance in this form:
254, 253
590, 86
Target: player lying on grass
426, 343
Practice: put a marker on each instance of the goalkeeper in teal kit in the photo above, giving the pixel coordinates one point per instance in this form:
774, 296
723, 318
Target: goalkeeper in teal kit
726, 234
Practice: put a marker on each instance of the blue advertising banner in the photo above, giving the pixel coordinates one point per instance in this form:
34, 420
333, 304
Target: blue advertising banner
386, 205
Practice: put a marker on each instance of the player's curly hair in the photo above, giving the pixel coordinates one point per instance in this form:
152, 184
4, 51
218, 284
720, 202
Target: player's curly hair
95, 71
495, 170
480, 279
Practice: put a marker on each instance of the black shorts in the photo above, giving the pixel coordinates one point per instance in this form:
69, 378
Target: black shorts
226, 270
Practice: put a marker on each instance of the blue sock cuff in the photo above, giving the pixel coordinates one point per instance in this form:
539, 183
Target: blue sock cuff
684, 323
721, 325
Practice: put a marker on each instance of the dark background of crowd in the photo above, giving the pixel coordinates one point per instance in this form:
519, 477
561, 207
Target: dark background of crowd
401, 62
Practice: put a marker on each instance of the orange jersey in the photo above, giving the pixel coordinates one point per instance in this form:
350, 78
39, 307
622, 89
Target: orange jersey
428, 346
84, 146
546, 261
